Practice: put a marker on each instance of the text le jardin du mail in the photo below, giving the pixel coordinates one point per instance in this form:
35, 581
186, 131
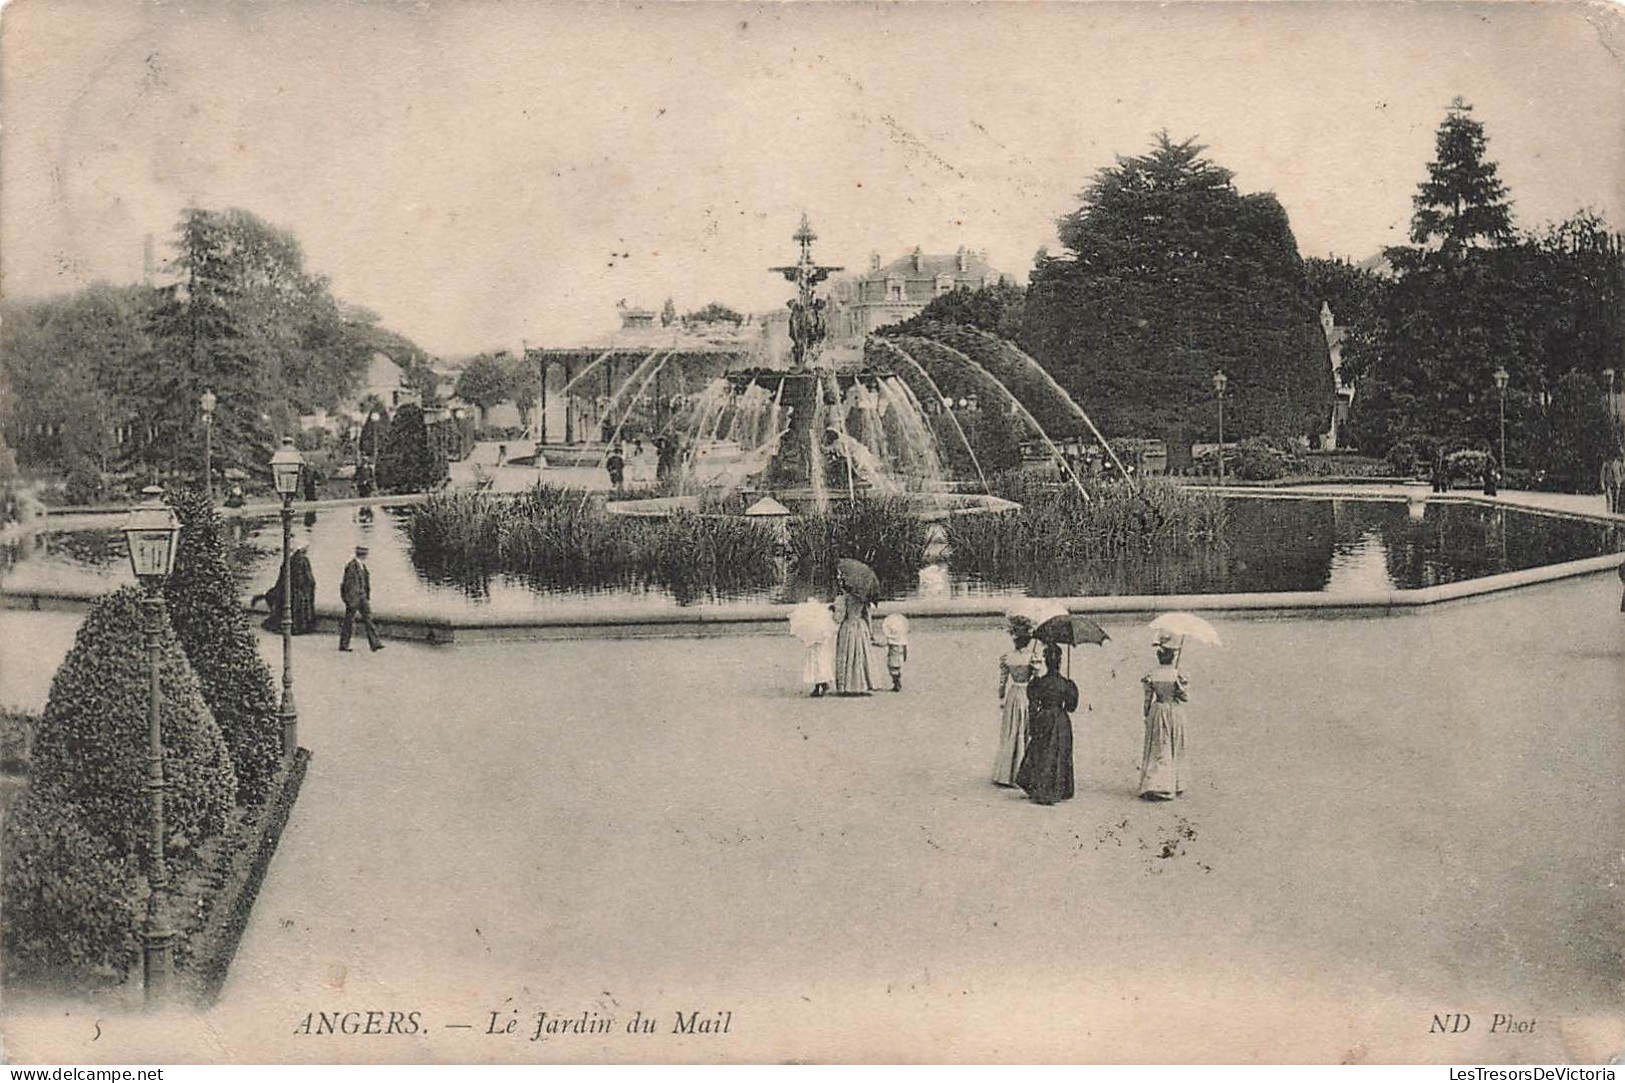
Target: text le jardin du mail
549, 1025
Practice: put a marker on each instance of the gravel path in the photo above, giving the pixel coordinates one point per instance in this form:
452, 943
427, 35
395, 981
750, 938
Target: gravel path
1390, 818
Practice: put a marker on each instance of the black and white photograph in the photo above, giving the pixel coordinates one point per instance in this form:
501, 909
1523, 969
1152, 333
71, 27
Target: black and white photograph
783, 533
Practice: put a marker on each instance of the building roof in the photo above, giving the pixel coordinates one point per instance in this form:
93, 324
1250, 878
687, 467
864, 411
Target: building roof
930, 266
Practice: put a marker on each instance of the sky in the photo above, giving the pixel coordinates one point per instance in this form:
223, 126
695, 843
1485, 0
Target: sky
490, 174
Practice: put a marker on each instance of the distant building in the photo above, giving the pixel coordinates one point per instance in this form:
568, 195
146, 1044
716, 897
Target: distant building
386, 381
637, 378
895, 291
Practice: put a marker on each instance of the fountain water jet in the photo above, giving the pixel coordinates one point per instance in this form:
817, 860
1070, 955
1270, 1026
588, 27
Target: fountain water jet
1017, 404
615, 437
937, 391
1032, 363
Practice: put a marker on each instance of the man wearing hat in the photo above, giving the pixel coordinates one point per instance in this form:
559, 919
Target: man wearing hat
356, 590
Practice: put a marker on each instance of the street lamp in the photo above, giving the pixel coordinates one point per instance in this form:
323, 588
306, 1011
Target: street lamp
207, 402
1501, 377
285, 467
151, 532
1220, 382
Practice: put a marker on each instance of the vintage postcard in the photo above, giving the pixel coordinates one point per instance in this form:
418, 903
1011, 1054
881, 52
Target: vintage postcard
789, 532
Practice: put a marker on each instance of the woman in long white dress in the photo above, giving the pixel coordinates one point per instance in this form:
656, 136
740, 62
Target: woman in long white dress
819, 669
1162, 764
1016, 668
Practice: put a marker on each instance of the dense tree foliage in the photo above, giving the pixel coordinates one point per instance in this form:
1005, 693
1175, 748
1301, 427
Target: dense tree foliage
60, 366
1350, 290
112, 375
484, 383
524, 386
213, 629
1469, 297
1170, 275
995, 309
714, 312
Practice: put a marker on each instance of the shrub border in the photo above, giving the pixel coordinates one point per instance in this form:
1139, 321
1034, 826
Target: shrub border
215, 943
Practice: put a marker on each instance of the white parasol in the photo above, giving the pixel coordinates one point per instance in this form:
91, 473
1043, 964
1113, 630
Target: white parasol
1186, 626
811, 622
895, 626
1036, 610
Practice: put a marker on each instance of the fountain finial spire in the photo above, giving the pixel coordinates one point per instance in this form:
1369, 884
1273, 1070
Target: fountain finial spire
805, 237
806, 310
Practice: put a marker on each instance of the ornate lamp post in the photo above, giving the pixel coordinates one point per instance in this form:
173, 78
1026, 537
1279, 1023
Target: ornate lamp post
1220, 383
207, 402
1501, 377
151, 533
285, 467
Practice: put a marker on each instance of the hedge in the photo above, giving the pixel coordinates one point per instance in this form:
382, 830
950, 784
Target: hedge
16, 740
215, 633
90, 750
73, 903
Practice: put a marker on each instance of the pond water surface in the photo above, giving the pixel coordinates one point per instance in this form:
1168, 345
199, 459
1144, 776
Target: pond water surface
1330, 546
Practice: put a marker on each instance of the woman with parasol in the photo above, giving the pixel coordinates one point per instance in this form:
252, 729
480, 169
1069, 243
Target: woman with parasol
1163, 775
1016, 668
1161, 761
1046, 767
857, 586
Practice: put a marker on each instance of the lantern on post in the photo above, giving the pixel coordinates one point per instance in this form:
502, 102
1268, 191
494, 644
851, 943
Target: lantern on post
152, 533
1501, 377
285, 467
1221, 383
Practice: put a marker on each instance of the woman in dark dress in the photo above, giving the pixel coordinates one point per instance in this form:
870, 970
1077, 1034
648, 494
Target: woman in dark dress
304, 596
304, 591
1046, 768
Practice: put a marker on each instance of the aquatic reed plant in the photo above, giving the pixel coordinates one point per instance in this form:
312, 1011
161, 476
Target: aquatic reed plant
1055, 526
551, 537
884, 532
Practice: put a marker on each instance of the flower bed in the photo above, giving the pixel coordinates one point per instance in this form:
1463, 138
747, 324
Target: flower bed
237, 871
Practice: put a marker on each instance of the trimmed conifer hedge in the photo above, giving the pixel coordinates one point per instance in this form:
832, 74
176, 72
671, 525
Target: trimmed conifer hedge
90, 750
72, 901
215, 633
409, 462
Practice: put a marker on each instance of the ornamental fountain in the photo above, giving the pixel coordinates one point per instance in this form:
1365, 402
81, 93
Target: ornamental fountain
813, 422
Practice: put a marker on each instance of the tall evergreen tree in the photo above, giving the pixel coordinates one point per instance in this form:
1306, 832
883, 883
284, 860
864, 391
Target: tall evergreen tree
1451, 317
200, 341
1171, 274
1463, 202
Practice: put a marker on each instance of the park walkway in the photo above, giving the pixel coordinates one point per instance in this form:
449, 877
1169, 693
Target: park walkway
1388, 818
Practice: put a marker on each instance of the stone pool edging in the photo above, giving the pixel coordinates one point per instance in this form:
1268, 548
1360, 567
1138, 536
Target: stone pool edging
632, 623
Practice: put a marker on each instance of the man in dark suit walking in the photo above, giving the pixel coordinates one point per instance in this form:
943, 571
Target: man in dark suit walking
356, 590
